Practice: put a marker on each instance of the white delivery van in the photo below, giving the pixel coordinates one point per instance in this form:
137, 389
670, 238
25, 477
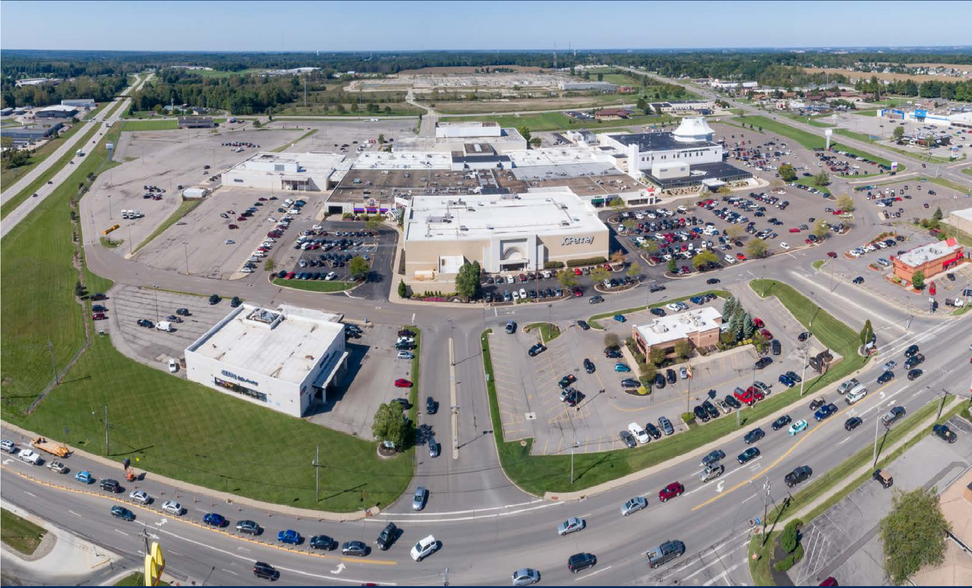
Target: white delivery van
164, 326
856, 394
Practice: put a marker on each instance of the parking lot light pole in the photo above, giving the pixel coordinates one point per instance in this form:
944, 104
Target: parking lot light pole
156, 287
572, 447
186, 245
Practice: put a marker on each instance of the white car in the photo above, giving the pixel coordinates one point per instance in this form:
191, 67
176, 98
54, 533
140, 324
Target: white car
173, 366
784, 246
673, 307
424, 548
229, 242
405, 355
8, 446
509, 279
729, 259
29, 456
516, 295
523, 293
317, 227
172, 507
639, 433
330, 276
141, 497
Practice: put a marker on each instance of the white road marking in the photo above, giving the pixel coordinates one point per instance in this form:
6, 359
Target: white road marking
472, 518
74, 513
723, 575
339, 569
121, 532
593, 573
30, 494
460, 512
748, 499
846, 439
228, 571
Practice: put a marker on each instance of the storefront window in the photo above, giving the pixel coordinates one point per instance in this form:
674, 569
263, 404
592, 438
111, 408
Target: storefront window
240, 389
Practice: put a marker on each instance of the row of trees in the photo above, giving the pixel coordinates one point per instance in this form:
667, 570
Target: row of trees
99, 89
958, 90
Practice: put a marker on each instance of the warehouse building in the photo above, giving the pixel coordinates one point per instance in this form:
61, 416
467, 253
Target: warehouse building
79, 103
695, 106
467, 130
284, 359
503, 232
600, 86
285, 172
699, 327
31, 134
196, 122
57, 111
931, 260
961, 220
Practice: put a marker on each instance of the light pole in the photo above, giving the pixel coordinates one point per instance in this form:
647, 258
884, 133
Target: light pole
317, 474
156, 288
186, 245
107, 439
572, 447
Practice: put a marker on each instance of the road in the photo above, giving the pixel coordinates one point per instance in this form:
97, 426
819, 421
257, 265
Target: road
30, 204
487, 526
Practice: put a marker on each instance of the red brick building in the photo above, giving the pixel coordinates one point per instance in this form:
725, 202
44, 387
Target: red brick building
931, 259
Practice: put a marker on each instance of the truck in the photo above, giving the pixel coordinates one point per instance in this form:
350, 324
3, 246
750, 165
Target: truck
58, 449
29, 456
664, 553
956, 302
79, 153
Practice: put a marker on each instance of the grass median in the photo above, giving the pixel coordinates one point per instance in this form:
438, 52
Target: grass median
538, 474
301, 138
136, 579
313, 285
19, 533
557, 121
185, 208
548, 331
157, 125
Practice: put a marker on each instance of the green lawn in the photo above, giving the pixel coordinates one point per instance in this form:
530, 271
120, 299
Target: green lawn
9, 176
9, 122
157, 125
314, 285
814, 122
136, 579
819, 263
185, 208
873, 112
397, 109
539, 474
854, 135
548, 331
224, 74
20, 534
967, 171
302, 137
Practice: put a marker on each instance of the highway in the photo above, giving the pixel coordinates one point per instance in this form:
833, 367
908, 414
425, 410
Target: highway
487, 527
30, 204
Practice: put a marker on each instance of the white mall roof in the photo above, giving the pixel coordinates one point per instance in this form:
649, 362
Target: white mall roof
693, 129
284, 344
922, 255
678, 326
438, 218
310, 163
405, 160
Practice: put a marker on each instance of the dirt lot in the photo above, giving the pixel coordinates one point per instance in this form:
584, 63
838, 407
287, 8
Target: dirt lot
855, 75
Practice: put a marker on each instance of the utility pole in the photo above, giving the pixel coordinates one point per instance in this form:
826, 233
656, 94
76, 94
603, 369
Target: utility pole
107, 440
50, 347
156, 288
803, 376
572, 447
317, 474
186, 245
876, 421
766, 490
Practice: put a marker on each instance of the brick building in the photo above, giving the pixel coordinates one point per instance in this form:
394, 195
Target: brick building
931, 259
700, 327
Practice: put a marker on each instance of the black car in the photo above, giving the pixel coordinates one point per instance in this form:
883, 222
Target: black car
670, 374
700, 414
536, 350
732, 402
659, 381
630, 383
595, 299
214, 299
265, 571
886, 377
754, 436
431, 406
712, 281
781, 422
748, 455
803, 336
710, 409
628, 439
322, 542
110, 485
852, 423
815, 404
613, 353
120, 512
944, 433
658, 311
235, 302
911, 351
581, 561
182, 311
914, 360
588, 366
387, 536
763, 362
800, 474
914, 374
583, 325
777, 348
653, 431
145, 323
97, 296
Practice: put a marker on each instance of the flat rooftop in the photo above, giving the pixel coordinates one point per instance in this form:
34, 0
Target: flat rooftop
675, 327
922, 255
384, 185
662, 141
313, 162
285, 343
404, 160
438, 218
700, 172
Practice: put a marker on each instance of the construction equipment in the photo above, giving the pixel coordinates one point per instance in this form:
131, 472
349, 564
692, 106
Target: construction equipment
58, 449
130, 474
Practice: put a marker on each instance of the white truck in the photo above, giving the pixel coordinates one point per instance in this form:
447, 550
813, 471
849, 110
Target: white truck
79, 153
164, 326
29, 456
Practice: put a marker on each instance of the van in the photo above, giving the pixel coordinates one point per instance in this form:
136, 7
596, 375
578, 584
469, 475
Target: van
288, 201
856, 394
164, 326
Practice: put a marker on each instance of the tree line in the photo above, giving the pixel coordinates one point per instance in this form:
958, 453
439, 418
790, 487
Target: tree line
99, 89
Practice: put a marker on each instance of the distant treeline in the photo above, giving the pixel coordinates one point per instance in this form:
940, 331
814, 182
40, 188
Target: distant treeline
100, 89
961, 90
249, 94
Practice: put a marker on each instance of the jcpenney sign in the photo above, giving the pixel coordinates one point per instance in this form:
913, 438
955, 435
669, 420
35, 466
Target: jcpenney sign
576, 241
239, 378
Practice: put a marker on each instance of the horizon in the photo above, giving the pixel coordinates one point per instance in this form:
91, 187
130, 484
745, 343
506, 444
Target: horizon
441, 26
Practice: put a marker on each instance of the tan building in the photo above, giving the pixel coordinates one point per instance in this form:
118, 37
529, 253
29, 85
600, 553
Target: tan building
503, 232
961, 220
700, 327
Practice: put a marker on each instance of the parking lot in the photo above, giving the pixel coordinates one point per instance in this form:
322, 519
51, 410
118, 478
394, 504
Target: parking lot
529, 393
332, 134
324, 254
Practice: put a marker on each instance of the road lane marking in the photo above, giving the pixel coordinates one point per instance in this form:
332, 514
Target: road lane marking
121, 532
228, 571
586, 576
469, 518
75, 514
459, 512
724, 575
846, 439
30, 494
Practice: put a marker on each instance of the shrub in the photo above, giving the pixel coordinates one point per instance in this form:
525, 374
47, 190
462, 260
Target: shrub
688, 417
553, 264
790, 537
789, 562
588, 261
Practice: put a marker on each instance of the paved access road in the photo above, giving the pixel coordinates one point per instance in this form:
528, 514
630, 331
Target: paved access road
31, 203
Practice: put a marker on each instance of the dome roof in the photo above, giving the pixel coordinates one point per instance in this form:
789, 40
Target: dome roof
693, 129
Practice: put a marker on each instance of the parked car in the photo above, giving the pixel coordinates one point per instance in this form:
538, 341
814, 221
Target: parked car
289, 537
944, 433
248, 527
798, 475
323, 542
355, 548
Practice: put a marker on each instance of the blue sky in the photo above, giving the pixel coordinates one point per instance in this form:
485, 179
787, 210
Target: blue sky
383, 26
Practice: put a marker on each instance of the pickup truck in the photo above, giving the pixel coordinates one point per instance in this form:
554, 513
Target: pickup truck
944, 433
29, 456
58, 449
664, 553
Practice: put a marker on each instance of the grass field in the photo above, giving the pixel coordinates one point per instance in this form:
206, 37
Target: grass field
157, 125
185, 208
314, 285
20, 534
967, 171
819, 263
854, 135
397, 109
814, 122
135, 579
556, 121
865, 112
224, 74
9, 122
548, 331
9, 176
302, 137
540, 474
528, 104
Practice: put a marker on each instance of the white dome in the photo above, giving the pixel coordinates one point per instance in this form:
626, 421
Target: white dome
693, 129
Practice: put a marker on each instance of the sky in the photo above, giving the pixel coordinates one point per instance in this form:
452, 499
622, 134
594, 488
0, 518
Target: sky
458, 25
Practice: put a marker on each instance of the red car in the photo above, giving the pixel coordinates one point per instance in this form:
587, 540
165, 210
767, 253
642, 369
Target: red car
234, 227
740, 257
241, 218
291, 275
403, 383
794, 230
759, 323
578, 292
766, 334
578, 272
262, 199
98, 316
838, 211
671, 491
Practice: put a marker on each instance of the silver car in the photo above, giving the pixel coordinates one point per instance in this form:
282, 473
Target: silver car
571, 525
420, 498
634, 505
525, 577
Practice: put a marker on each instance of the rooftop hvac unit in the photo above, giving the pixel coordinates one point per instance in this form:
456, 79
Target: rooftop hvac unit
564, 224
489, 227
463, 228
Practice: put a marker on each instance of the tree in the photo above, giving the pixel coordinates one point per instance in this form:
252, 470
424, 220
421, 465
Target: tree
683, 349
735, 231
468, 280
729, 308
374, 222
867, 332
617, 257
704, 258
821, 229
845, 203
822, 179
735, 325
358, 267
756, 248
723, 189
937, 216
525, 133
656, 356
648, 371
634, 270
535, 142
600, 77
672, 265
599, 274
567, 278
617, 204
748, 325
381, 138
913, 533
611, 340
918, 280
787, 173
269, 265
389, 425
402, 289
629, 224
